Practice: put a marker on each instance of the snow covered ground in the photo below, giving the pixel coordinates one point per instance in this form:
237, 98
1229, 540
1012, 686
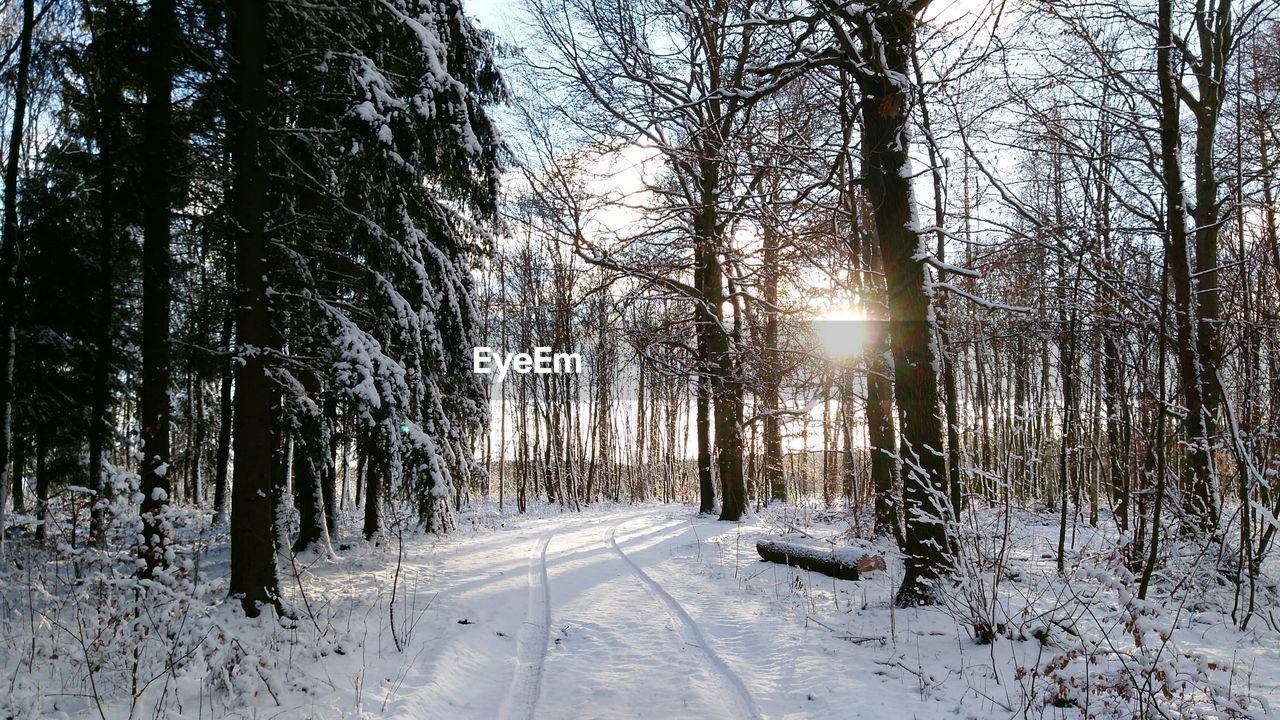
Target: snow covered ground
645, 612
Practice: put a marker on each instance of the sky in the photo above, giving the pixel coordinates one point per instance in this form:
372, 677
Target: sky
493, 15
501, 16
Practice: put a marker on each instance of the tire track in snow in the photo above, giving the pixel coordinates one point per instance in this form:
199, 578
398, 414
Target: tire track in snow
531, 641
691, 632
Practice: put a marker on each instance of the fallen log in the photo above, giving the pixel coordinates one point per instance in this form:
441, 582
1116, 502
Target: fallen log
807, 558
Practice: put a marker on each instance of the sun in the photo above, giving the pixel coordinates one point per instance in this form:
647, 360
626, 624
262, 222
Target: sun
841, 332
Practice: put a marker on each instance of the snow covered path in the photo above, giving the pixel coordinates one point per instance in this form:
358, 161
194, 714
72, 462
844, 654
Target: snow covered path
577, 629
652, 612
607, 615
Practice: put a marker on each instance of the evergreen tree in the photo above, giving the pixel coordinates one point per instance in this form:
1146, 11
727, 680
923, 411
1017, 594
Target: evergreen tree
393, 166
54, 337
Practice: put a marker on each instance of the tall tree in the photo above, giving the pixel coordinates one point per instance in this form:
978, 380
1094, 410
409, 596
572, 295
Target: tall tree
104, 59
875, 43
254, 580
155, 404
772, 370
9, 251
1201, 495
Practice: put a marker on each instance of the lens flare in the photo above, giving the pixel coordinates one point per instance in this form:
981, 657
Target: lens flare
841, 332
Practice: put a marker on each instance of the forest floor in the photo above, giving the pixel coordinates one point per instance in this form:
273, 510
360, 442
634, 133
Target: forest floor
650, 611
629, 613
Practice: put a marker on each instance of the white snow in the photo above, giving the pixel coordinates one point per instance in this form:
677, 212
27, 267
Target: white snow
623, 612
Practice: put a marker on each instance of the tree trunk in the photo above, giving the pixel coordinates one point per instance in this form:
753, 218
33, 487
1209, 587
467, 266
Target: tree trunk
811, 559
1112, 388
254, 578
717, 343
375, 469
941, 310
154, 403
9, 298
1112, 330
330, 486
882, 437
310, 456
1067, 367
346, 473
1216, 35
362, 452
195, 488
849, 478
706, 483
42, 483
19, 466
222, 459
1200, 492
772, 371
99, 421
641, 427
726, 388
886, 169
1157, 457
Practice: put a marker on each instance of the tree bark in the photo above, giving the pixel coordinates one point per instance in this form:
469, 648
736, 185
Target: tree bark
1157, 456
715, 341
1067, 367
881, 434
941, 310
772, 370
1112, 394
375, 469
1215, 29
99, 421
195, 489
882, 437
886, 169
154, 403
254, 578
726, 388
812, 559
330, 481
1200, 492
310, 455
19, 465
42, 483
706, 482
222, 458
9, 294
